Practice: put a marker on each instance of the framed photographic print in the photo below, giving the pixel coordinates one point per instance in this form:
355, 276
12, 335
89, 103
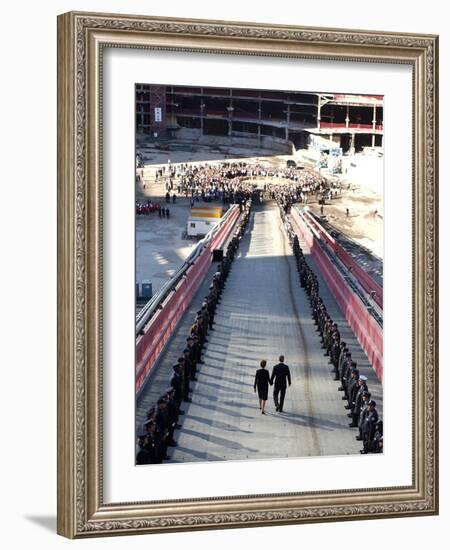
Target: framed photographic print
247, 284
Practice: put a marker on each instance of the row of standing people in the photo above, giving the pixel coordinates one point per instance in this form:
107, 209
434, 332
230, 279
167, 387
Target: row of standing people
358, 402
157, 433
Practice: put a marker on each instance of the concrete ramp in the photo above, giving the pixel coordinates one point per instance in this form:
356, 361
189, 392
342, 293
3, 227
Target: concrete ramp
264, 313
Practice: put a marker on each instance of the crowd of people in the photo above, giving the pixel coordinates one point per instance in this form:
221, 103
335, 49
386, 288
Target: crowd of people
146, 207
157, 433
358, 400
230, 183
227, 181
206, 182
306, 186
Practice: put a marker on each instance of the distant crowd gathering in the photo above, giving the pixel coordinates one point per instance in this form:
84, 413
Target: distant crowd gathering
310, 185
158, 431
222, 181
230, 182
225, 182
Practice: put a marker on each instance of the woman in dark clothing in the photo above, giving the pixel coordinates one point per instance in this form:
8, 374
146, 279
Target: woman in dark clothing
262, 381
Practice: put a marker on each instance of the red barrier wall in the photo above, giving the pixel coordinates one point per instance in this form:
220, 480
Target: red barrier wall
367, 330
364, 279
163, 323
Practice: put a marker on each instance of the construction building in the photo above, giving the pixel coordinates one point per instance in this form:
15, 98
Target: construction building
350, 122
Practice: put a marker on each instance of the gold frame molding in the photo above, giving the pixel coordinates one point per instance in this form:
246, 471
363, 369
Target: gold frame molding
81, 37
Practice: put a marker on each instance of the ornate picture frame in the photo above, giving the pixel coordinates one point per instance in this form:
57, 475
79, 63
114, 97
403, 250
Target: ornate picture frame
82, 511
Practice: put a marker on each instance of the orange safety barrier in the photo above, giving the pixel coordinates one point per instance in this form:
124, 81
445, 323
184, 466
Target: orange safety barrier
365, 327
163, 323
363, 278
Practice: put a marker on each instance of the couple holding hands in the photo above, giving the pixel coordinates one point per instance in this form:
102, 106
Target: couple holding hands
280, 377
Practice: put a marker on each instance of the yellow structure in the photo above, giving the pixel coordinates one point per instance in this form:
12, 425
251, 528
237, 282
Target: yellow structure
207, 212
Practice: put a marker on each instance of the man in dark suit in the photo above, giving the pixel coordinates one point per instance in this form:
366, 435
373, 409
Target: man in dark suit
280, 374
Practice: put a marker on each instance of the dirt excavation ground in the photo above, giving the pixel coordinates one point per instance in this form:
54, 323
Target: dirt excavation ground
364, 224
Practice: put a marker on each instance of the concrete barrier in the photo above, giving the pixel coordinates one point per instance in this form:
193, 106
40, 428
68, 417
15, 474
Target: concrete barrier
365, 327
163, 323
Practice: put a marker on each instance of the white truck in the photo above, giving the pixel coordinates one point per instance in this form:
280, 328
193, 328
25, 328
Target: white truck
202, 220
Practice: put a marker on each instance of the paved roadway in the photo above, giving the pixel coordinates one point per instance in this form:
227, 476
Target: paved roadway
264, 313
160, 249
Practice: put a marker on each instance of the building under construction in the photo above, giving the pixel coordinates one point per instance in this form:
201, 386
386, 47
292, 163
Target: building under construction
350, 122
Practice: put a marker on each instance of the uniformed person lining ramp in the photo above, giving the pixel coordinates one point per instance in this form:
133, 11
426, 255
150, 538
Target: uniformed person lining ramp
264, 313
